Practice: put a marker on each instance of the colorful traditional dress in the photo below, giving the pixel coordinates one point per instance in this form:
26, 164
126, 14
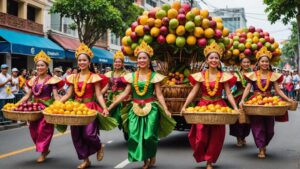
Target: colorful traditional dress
237, 129
263, 126
207, 140
145, 120
116, 87
41, 132
85, 138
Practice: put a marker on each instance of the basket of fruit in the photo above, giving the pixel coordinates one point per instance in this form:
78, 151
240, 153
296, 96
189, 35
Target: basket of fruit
266, 106
293, 105
69, 113
22, 112
211, 114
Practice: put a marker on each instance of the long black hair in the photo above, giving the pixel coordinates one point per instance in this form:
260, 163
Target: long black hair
206, 65
257, 66
150, 63
91, 66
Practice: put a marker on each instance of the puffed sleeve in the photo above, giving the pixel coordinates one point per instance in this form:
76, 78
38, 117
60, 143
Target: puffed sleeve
250, 77
157, 78
196, 77
56, 82
70, 79
104, 80
128, 78
277, 77
228, 78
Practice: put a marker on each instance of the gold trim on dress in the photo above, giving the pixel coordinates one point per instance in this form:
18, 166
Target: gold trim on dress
274, 77
71, 78
158, 78
30, 82
198, 77
128, 78
226, 76
251, 76
141, 111
108, 74
237, 76
93, 79
53, 80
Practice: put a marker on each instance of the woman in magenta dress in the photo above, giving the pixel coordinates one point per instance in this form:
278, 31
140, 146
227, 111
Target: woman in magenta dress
42, 88
86, 88
262, 82
207, 140
238, 130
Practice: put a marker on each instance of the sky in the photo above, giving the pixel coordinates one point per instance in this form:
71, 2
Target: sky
255, 15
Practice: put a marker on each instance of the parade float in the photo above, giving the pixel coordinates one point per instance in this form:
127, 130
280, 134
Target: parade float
178, 34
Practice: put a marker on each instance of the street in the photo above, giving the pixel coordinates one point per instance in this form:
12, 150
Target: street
174, 152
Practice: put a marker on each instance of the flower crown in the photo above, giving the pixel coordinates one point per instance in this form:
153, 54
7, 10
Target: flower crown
119, 55
42, 56
144, 47
263, 52
83, 49
214, 47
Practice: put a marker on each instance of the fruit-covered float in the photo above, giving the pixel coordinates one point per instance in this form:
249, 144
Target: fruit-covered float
178, 34
26, 111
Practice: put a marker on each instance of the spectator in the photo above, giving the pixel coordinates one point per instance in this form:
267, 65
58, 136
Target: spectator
15, 81
107, 69
58, 72
296, 81
67, 73
75, 70
5, 88
289, 84
22, 81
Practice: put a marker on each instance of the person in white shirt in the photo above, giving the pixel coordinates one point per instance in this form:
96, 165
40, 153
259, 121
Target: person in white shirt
289, 84
15, 81
5, 88
296, 81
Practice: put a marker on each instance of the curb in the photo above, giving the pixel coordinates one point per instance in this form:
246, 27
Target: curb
12, 126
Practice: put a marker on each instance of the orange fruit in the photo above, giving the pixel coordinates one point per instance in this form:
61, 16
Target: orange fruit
196, 11
191, 40
154, 31
205, 23
217, 19
225, 32
150, 21
128, 32
236, 52
139, 30
176, 5
255, 39
143, 19
220, 26
157, 23
171, 38
209, 33
249, 35
172, 13
128, 50
204, 13
198, 32
180, 30
276, 45
248, 45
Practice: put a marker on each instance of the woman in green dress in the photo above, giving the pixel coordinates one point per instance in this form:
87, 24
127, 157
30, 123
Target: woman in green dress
145, 119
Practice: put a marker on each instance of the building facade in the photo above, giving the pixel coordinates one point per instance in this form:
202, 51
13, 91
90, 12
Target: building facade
233, 18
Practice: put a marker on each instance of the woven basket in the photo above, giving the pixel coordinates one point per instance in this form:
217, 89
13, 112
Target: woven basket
72, 120
175, 104
177, 91
22, 116
210, 118
293, 106
258, 110
243, 118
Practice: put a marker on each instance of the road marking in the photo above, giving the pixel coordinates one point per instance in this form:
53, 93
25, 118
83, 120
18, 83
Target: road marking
122, 164
110, 141
29, 148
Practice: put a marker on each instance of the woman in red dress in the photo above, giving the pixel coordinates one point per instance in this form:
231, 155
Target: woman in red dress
86, 87
207, 140
42, 89
262, 82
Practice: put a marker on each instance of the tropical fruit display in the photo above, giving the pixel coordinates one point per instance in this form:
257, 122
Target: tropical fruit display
176, 29
23, 107
69, 108
246, 42
178, 76
266, 101
9, 106
210, 108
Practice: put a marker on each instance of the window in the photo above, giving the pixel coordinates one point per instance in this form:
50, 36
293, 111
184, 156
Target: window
114, 39
31, 13
151, 3
12, 7
56, 21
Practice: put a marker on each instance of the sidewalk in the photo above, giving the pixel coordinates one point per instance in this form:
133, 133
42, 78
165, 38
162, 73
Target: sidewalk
7, 126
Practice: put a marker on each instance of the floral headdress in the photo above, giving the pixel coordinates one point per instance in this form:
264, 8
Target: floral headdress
42, 56
83, 49
214, 47
144, 47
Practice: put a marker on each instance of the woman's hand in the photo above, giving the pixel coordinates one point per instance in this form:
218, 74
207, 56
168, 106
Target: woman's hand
241, 104
105, 112
168, 113
182, 110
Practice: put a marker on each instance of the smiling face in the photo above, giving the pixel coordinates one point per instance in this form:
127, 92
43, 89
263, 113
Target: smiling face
143, 60
245, 64
118, 64
264, 63
213, 60
83, 62
41, 68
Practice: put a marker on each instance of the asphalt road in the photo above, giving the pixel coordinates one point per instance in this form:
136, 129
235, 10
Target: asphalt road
174, 152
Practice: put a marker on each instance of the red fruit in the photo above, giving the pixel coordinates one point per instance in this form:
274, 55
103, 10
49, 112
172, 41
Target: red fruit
251, 29
147, 28
254, 52
165, 21
259, 45
261, 34
164, 30
133, 36
25, 109
34, 109
272, 40
151, 14
30, 109
186, 7
242, 40
244, 35
202, 42
274, 54
218, 33
182, 11
266, 34
209, 18
247, 52
161, 39
213, 24
258, 30
267, 38
39, 108
35, 104
181, 18
133, 26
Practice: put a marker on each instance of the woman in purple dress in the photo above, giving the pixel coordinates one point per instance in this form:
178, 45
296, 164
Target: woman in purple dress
41, 88
262, 82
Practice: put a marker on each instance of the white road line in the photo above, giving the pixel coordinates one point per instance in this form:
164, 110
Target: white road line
122, 164
110, 141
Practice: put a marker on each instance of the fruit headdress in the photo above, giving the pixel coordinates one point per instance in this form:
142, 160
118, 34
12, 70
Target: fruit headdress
263, 52
119, 55
144, 47
42, 56
83, 49
213, 47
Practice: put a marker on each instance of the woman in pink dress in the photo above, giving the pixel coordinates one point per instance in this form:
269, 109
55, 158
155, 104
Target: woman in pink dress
42, 88
207, 140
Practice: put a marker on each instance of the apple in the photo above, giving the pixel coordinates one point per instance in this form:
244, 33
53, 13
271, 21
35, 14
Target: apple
241, 47
247, 52
161, 39
254, 47
268, 45
34, 109
30, 109
146, 29
190, 16
165, 21
236, 38
251, 29
266, 34
133, 36
186, 7
259, 45
190, 26
181, 11
236, 44
213, 24
198, 20
148, 39
181, 19
262, 40
133, 26
242, 40
152, 14
202, 42
25, 109
218, 33
243, 35
35, 104
165, 7
261, 34
164, 30
173, 23
272, 40
258, 30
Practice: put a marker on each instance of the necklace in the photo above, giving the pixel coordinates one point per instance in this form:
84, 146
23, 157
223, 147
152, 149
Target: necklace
136, 87
81, 92
259, 85
214, 91
40, 89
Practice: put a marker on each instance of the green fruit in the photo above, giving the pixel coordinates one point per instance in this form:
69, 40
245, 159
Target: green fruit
190, 26
180, 41
129, 41
148, 39
134, 45
241, 47
165, 7
186, 72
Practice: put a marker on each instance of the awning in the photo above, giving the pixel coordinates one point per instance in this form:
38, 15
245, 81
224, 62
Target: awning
71, 44
128, 62
28, 44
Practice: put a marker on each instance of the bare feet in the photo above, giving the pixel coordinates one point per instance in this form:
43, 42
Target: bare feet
100, 153
146, 164
209, 165
262, 153
43, 156
244, 142
152, 161
239, 142
86, 163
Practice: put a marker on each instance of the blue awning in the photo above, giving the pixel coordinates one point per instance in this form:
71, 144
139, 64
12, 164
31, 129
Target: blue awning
28, 44
100, 55
128, 62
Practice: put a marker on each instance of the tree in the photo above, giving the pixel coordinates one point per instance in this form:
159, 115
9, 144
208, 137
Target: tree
285, 10
94, 17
